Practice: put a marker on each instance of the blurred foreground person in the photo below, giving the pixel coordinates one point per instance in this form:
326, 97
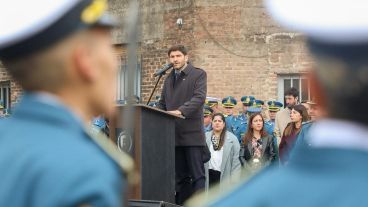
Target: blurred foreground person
333, 171
61, 53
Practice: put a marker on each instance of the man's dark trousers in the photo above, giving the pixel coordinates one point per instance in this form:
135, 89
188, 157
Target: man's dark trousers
189, 169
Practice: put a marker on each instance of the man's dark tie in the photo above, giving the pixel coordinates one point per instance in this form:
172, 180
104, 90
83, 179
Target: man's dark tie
177, 74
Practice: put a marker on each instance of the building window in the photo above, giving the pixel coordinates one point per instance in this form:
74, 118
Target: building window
298, 81
122, 80
5, 95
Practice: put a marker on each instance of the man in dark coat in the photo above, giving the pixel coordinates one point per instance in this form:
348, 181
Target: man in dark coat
184, 93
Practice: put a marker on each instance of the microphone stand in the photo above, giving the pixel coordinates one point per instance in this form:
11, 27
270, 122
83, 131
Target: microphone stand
158, 80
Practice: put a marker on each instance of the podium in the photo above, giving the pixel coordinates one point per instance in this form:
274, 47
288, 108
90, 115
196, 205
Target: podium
151, 143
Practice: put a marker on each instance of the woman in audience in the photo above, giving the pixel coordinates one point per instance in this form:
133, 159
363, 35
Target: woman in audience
298, 115
258, 149
224, 148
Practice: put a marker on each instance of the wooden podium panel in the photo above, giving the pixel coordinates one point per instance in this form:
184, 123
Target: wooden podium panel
152, 145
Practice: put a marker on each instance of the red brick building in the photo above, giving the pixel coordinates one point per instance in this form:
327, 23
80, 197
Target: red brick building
243, 51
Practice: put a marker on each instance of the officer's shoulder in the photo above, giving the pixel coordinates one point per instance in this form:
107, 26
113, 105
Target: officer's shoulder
89, 156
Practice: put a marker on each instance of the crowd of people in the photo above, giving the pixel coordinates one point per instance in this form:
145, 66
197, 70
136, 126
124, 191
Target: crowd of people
261, 133
264, 132
61, 54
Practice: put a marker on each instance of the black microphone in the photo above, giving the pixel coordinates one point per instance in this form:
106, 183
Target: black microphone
163, 69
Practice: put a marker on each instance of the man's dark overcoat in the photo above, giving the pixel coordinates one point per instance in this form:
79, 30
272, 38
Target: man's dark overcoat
187, 95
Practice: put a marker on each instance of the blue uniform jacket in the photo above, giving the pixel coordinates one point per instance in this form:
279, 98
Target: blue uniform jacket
237, 125
47, 159
314, 177
269, 127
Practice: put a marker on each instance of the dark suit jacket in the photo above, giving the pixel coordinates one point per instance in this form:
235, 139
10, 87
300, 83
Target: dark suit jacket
188, 96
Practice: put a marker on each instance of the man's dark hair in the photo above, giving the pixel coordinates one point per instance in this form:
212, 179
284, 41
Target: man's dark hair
292, 92
180, 48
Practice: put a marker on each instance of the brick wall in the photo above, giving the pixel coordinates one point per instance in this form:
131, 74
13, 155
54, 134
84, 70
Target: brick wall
235, 41
243, 50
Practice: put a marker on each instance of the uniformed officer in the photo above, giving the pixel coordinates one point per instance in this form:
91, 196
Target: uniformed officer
339, 153
273, 108
213, 103
207, 118
233, 122
255, 106
228, 103
246, 100
60, 52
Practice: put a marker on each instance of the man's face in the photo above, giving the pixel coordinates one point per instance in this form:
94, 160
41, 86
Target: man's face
228, 111
178, 59
245, 108
290, 100
207, 120
313, 112
105, 63
272, 115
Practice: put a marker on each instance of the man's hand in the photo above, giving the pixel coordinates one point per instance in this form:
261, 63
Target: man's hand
175, 112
